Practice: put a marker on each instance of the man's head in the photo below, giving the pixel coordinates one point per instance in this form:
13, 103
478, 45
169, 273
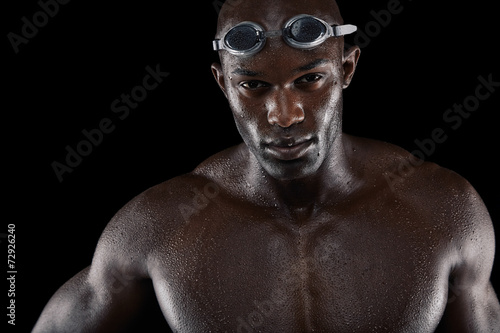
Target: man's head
287, 102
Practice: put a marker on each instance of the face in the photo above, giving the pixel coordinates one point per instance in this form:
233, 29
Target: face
286, 102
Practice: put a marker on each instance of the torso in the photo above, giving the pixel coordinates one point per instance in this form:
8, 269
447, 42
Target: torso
377, 260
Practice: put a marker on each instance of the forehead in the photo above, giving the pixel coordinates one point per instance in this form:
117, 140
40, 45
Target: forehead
278, 59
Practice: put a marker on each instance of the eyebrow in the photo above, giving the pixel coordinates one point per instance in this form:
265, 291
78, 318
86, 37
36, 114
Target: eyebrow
245, 72
311, 65
308, 67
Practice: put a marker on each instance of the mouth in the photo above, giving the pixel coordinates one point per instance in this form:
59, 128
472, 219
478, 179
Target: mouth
289, 150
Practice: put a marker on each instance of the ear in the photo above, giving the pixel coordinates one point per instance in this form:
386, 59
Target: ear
351, 58
219, 77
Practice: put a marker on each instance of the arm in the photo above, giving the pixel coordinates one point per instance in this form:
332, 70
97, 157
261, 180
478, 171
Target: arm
106, 296
91, 302
472, 303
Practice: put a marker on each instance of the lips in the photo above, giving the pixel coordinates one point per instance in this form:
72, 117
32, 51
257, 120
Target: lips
289, 150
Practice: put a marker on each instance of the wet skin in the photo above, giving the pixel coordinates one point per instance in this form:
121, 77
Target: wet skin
297, 228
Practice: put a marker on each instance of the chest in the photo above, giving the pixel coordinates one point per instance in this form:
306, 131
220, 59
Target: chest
342, 276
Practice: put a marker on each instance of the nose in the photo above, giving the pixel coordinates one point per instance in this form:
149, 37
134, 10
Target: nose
284, 110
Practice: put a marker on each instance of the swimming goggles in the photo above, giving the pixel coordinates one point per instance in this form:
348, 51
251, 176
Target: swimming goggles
301, 32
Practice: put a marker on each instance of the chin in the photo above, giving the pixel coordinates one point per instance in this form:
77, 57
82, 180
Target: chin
291, 170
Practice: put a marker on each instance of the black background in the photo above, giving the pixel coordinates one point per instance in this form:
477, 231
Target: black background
66, 77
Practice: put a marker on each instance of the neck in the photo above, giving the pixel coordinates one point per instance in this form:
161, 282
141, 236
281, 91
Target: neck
304, 196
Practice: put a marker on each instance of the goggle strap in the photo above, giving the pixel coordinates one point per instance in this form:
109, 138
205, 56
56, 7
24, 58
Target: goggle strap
217, 45
341, 30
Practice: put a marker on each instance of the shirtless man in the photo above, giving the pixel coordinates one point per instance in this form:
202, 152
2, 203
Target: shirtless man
296, 229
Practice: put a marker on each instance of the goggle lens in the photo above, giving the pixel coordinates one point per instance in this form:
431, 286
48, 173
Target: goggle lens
242, 38
306, 30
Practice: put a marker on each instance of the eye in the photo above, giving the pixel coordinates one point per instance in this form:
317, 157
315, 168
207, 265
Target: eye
309, 78
253, 85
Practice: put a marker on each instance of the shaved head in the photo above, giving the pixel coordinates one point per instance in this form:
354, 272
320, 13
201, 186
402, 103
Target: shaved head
275, 11
272, 15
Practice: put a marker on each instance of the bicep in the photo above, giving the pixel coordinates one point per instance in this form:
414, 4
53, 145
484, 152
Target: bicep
86, 304
67, 310
115, 289
104, 297
471, 309
472, 303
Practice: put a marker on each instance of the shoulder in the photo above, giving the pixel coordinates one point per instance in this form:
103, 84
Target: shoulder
224, 166
445, 199
146, 223
157, 208
406, 174
161, 212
